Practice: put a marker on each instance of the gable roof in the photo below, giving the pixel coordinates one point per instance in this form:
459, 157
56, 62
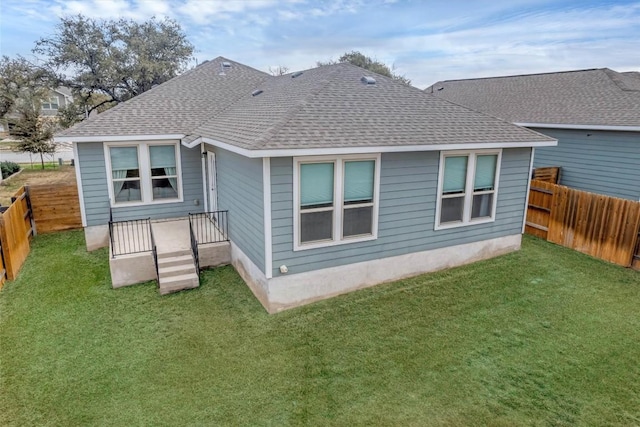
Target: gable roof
327, 107
594, 98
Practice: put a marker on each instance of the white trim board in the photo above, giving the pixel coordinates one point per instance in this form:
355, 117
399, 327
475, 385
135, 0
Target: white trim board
76, 156
266, 191
116, 138
583, 127
293, 152
526, 201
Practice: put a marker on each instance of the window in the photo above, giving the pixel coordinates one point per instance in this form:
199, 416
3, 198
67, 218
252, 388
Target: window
125, 174
143, 173
335, 200
357, 210
467, 188
164, 179
50, 104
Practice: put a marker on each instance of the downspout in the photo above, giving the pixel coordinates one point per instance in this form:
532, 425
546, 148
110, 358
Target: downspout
203, 155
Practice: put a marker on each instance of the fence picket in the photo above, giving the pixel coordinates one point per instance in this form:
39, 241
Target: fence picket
600, 226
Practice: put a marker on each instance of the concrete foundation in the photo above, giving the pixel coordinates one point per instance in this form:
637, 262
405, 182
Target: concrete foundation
132, 269
214, 254
283, 292
96, 237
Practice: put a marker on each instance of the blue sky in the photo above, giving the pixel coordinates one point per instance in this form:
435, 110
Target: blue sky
426, 41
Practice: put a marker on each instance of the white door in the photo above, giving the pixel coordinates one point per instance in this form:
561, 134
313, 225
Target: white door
213, 191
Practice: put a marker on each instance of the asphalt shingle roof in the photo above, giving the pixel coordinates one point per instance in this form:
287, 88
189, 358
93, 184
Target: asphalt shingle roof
177, 106
585, 97
324, 107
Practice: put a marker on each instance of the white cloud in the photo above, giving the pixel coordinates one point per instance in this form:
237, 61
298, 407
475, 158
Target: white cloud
204, 11
427, 41
112, 9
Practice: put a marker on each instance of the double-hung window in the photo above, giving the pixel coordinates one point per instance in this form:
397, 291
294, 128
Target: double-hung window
335, 200
467, 188
50, 104
146, 172
125, 174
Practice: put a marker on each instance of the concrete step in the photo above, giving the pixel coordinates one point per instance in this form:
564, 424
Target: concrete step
176, 260
176, 270
172, 254
178, 283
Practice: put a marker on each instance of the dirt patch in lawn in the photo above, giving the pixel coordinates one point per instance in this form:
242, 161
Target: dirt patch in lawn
63, 174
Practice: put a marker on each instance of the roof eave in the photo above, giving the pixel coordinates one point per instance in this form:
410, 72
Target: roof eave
578, 126
114, 138
291, 152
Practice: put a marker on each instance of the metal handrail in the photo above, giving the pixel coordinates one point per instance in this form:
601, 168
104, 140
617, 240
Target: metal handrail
154, 252
194, 248
210, 227
130, 237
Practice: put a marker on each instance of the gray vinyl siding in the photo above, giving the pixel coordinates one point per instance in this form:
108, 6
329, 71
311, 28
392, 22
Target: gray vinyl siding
598, 161
240, 191
93, 174
408, 186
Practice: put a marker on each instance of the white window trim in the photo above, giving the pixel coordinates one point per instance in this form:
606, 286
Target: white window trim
338, 208
48, 104
144, 165
468, 198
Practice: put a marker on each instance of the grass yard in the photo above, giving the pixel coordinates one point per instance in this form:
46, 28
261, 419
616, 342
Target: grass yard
545, 336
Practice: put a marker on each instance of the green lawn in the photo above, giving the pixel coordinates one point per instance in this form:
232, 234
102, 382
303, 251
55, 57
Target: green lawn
545, 336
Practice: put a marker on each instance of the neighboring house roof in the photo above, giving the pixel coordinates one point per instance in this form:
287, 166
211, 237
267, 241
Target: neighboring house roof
594, 98
64, 91
325, 107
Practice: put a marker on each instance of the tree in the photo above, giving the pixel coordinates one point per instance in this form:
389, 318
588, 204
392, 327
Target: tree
118, 59
23, 87
280, 70
17, 77
356, 58
34, 130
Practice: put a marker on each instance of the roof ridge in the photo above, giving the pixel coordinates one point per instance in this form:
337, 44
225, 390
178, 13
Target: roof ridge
522, 75
618, 80
273, 130
231, 104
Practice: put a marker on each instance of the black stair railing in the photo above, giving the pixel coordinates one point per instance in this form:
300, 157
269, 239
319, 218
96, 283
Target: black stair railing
210, 227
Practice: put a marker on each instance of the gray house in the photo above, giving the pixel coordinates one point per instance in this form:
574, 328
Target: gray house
594, 114
324, 181
58, 98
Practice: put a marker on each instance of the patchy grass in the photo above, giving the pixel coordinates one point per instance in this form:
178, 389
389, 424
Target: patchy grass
544, 336
33, 176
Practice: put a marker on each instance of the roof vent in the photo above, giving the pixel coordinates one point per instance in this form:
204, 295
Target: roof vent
296, 74
368, 80
256, 92
226, 64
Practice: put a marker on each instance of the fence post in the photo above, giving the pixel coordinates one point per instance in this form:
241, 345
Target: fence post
3, 262
34, 232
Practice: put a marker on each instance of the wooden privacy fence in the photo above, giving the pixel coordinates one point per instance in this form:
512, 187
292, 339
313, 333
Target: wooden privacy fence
16, 229
37, 208
549, 174
55, 207
601, 226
